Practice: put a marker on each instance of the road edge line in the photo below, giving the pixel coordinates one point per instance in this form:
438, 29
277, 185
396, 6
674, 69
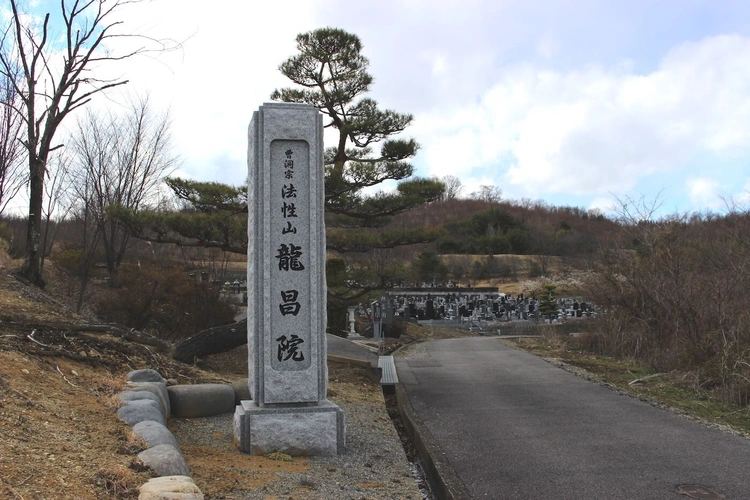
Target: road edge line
444, 482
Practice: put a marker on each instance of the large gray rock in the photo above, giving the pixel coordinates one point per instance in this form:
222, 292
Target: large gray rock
165, 460
241, 390
139, 411
128, 396
158, 388
201, 400
145, 376
170, 488
154, 434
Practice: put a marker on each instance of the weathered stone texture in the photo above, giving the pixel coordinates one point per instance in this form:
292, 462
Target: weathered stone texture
165, 460
200, 400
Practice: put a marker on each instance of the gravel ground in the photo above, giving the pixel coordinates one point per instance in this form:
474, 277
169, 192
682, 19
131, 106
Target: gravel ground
374, 465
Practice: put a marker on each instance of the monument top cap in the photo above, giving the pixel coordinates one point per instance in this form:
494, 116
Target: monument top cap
276, 104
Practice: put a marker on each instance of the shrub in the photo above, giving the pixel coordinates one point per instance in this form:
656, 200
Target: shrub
679, 300
68, 261
12, 238
535, 270
164, 300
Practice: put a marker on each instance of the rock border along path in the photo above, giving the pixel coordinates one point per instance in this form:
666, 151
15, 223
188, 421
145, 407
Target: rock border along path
147, 403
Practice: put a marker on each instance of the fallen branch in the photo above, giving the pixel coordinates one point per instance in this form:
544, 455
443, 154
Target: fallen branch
18, 495
106, 364
63, 375
31, 338
130, 334
643, 380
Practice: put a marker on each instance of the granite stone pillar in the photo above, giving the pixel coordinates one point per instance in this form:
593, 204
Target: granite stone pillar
286, 289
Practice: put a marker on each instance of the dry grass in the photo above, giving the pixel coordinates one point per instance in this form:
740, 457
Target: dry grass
59, 434
59, 424
676, 390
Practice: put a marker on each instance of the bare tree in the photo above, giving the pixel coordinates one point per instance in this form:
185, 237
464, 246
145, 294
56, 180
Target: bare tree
490, 194
56, 80
638, 216
453, 187
58, 201
88, 232
122, 160
11, 151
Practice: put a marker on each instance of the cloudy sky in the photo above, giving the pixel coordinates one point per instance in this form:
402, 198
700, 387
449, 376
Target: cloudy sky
572, 102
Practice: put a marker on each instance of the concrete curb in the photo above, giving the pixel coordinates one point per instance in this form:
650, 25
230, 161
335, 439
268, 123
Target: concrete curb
444, 482
373, 372
349, 361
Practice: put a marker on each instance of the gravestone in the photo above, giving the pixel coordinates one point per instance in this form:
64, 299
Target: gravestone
286, 289
429, 310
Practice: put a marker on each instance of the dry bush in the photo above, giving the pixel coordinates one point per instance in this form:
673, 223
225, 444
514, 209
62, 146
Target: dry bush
164, 300
13, 236
5, 261
679, 300
120, 483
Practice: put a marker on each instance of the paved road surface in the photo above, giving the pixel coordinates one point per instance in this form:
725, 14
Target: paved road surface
512, 426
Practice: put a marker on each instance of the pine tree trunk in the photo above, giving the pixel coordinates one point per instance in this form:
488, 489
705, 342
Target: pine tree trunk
212, 341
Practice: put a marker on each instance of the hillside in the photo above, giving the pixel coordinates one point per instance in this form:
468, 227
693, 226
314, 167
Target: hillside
60, 437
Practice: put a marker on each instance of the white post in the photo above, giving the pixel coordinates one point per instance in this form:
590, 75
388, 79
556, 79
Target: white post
352, 322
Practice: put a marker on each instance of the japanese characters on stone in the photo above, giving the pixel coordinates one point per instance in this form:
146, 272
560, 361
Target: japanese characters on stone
290, 237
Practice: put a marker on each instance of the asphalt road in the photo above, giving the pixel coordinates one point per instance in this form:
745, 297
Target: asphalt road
512, 426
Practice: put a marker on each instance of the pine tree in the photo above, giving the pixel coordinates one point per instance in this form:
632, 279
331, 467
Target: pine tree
548, 302
330, 73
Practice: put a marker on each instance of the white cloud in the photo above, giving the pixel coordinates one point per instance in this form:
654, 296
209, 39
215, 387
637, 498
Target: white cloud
606, 205
543, 98
742, 198
226, 68
703, 192
439, 65
597, 129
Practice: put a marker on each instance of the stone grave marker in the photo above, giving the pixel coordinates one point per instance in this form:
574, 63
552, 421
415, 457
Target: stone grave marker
286, 289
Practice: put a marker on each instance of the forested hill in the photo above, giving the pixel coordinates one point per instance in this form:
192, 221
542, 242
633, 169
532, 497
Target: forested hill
507, 227
470, 226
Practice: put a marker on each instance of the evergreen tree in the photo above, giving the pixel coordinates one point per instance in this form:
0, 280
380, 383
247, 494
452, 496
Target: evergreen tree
548, 302
428, 267
330, 73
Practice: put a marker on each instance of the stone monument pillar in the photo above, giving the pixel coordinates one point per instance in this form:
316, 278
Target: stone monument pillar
286, 289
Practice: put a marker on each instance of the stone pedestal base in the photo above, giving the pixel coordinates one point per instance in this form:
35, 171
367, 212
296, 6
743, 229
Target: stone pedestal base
295, 430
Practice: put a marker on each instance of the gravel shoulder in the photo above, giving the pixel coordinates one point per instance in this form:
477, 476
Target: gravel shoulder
60, 437
57, 412
374, 465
